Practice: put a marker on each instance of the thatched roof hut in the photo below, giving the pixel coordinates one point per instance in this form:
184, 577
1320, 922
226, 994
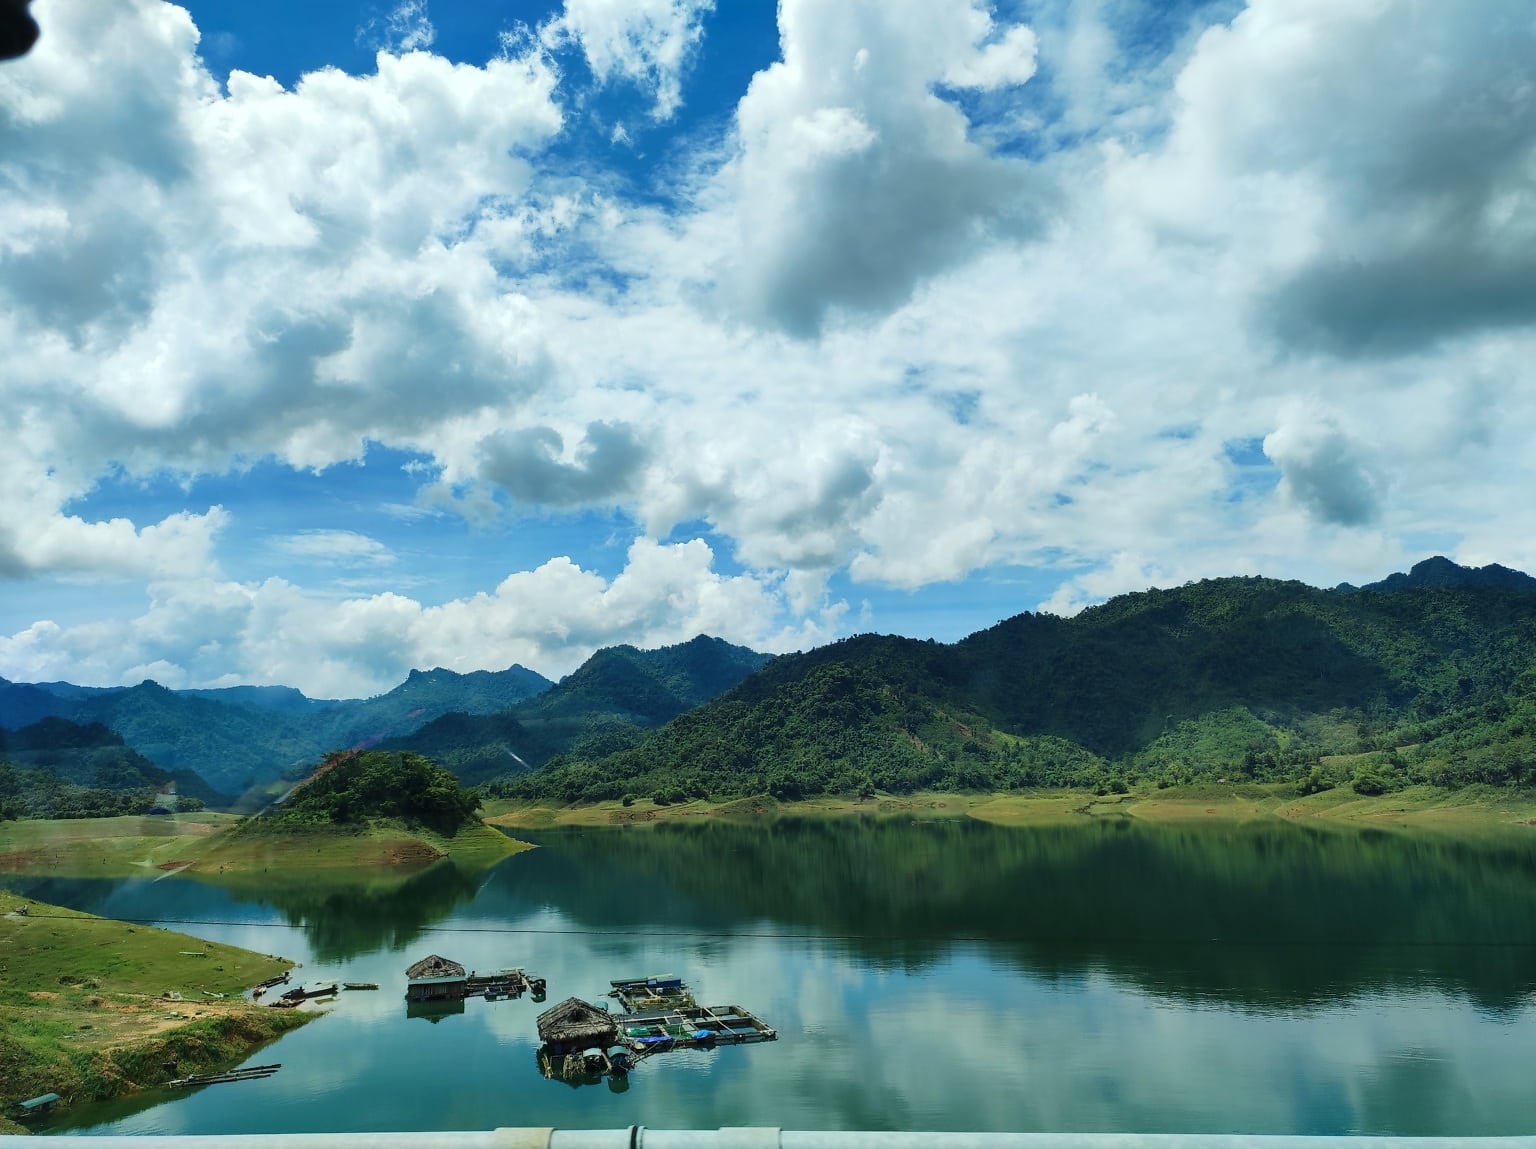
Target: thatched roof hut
434, 966
576, 1023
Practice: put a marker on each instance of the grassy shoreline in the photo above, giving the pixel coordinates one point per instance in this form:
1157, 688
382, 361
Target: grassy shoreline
254, 847
1473, 808
84, 1011
218, 843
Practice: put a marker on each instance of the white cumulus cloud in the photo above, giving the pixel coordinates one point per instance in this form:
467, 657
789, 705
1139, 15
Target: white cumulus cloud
648, 43
206, 632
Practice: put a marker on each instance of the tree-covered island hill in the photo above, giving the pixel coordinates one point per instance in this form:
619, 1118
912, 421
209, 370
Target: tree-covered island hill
1423, 680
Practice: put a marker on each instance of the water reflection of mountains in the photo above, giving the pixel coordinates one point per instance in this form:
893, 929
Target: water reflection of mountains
343, 913
1262, 915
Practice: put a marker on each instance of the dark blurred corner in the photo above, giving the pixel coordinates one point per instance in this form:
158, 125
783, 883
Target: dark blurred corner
18, 31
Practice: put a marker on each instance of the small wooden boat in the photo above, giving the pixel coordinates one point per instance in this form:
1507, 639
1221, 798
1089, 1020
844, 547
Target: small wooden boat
299, 993
359, 985
37, 1106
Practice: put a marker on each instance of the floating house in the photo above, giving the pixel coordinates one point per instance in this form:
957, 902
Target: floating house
436, 978
575, 1025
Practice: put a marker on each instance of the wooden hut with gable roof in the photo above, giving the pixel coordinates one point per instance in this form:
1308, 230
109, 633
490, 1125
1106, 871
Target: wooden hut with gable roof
574, 1025
436, 978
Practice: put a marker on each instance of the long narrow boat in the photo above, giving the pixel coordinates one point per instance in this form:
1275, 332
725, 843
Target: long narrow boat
299, 993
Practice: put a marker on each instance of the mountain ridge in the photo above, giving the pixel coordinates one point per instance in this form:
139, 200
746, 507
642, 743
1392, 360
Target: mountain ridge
607, 701
245, 737
1240, 677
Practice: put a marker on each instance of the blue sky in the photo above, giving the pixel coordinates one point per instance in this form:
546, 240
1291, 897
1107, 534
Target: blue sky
350, 338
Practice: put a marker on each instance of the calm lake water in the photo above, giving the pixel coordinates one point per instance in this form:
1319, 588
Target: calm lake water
1267, 978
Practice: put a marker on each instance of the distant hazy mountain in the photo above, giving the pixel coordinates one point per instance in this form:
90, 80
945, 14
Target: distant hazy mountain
22, 703
1237, 678
423, 696
283, 699
244, 736
482, 723
605, 704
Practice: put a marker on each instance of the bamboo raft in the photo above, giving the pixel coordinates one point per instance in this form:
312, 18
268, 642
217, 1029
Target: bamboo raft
250, 1073
693, 1027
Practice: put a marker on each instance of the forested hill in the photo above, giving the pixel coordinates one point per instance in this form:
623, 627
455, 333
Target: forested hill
355, 788
606, 704
1431, 677
55, 768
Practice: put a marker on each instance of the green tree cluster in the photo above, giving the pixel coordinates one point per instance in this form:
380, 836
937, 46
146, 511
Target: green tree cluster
355, 788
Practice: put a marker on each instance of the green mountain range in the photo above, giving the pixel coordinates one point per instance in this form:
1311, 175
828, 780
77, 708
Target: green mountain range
480, 724
606, 704
1426, 676
241, 737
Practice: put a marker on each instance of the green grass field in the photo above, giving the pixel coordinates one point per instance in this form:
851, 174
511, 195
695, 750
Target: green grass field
124, 847
84, 1011
1428, 806
107, 847
257, 848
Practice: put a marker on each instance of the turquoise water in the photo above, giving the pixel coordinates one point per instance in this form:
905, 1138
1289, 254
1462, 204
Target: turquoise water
1115, 976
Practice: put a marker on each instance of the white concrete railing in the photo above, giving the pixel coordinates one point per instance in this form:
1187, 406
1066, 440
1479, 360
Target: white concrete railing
638, 1137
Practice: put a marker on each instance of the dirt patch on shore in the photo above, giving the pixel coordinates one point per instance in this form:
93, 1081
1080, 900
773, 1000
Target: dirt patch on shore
410, 852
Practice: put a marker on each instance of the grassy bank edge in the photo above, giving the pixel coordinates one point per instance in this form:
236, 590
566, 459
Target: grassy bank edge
1477, 807
137, 846
83, 1013
254, 847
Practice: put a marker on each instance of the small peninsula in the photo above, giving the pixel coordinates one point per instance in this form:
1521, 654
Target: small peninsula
93, 1009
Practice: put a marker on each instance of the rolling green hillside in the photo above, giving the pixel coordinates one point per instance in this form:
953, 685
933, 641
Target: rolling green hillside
1425, 678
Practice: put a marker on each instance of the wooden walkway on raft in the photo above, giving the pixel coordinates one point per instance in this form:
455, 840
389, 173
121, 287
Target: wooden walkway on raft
653, 994
503, 983
694, 1027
